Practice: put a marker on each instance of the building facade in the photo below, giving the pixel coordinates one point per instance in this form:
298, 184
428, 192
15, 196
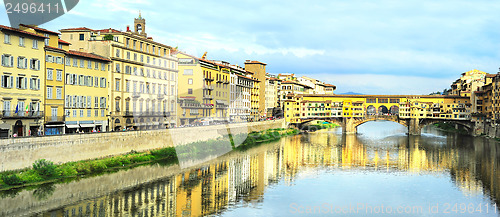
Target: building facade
21, 91
142, 79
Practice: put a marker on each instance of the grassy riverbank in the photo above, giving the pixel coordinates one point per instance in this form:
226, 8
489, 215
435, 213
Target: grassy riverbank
44, 171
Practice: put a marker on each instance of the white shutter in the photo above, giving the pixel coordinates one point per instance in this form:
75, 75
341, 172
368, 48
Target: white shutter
11, 61
17, 83
38, 84
25, 83
25, 63
18, 62
38, 65
89, 102
11, 82
3, 81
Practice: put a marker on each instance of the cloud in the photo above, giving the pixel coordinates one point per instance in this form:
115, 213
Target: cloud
424, 38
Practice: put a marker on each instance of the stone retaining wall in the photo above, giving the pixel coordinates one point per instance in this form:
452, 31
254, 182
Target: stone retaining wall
18, 153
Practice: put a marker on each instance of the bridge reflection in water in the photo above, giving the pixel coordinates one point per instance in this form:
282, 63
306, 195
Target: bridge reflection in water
242, 177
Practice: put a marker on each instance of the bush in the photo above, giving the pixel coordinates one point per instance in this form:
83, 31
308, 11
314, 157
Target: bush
12, 179
98, 166
30, 176
67, 171
45, 168
82, 168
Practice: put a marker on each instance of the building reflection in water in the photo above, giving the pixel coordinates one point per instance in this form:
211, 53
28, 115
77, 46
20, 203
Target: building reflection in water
242, 177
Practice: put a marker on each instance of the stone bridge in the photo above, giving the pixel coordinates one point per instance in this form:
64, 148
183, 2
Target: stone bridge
414, 125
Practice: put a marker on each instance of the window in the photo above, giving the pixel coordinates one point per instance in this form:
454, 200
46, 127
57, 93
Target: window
49, 92
103, 82
96, 66
96, 83
47, 39
81, 113
103, 66
60, 46
142, 58
7, 60
21, 82
59, 60
22, 62
117, 85
135, 57
172, 76
7, 81
35, 64
190, 81
75, 62
82, 63
74, 113
50, 74
58, 93
89, 64
147, 59
21, 41
188, 72
81, 80
49, 59
68, 61
82, 37
128, 55
35, 44
34, 83
96, 102
6, 39
59, 75
190, 91
117, 105
117, 52
127, 86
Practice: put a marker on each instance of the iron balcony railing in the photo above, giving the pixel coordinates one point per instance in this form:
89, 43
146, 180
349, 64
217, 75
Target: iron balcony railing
21, 114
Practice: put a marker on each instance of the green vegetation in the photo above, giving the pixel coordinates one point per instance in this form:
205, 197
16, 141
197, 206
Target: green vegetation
46, 172
448, 127
108, 37
316, 127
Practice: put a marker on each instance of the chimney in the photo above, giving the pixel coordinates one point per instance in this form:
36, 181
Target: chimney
128, 28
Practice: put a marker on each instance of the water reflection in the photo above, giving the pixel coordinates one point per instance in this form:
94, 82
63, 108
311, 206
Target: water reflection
259, 180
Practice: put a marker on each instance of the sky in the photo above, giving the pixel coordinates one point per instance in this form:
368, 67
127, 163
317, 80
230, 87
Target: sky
363, 46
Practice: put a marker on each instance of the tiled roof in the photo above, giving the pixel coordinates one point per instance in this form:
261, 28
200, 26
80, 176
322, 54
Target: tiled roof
39, 29
63, 42
110, 30
254, 62
20, 31
88, 55
55, 48
77, 29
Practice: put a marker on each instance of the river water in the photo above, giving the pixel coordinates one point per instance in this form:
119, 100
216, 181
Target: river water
378, 172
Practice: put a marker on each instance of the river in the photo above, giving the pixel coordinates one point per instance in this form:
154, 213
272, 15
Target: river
378, 172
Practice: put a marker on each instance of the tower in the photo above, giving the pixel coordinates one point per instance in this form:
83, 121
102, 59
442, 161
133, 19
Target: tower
140, 25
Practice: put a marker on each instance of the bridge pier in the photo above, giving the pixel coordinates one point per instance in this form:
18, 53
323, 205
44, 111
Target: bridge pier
414, 127
348, 126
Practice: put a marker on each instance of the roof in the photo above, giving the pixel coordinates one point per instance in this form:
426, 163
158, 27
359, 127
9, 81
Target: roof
63, 42
491, 75
384, 96
39, 29
293, 82
55, 48
2, 27
77, 29
254, 62
110, 30
87, 55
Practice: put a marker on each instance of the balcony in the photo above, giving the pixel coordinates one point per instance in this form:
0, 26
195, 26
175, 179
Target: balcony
21, 114
136, 94
209, 79
207, 96
208, 87
55, 119
161, 96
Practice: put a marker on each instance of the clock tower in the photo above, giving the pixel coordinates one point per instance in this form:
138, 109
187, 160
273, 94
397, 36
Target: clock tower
140, 25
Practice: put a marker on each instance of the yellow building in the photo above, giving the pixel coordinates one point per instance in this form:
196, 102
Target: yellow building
311, 106
86, 96
258, 70
55, 51
203, 91
143, 75
21, 91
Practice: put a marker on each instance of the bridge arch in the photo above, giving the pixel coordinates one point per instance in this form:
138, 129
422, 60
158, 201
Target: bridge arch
394, 110
465, 124
381, 118
371, 110
383, 110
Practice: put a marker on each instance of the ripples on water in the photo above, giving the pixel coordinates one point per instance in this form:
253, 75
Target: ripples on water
330, 173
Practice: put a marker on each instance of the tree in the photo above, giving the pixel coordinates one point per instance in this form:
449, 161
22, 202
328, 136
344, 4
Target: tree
108, 37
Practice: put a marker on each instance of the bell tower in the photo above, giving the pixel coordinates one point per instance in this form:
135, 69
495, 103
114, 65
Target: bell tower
140, 25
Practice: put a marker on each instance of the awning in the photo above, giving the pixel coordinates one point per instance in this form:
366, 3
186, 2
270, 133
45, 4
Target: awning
72, 126
87, 125
223, 102
55, 125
